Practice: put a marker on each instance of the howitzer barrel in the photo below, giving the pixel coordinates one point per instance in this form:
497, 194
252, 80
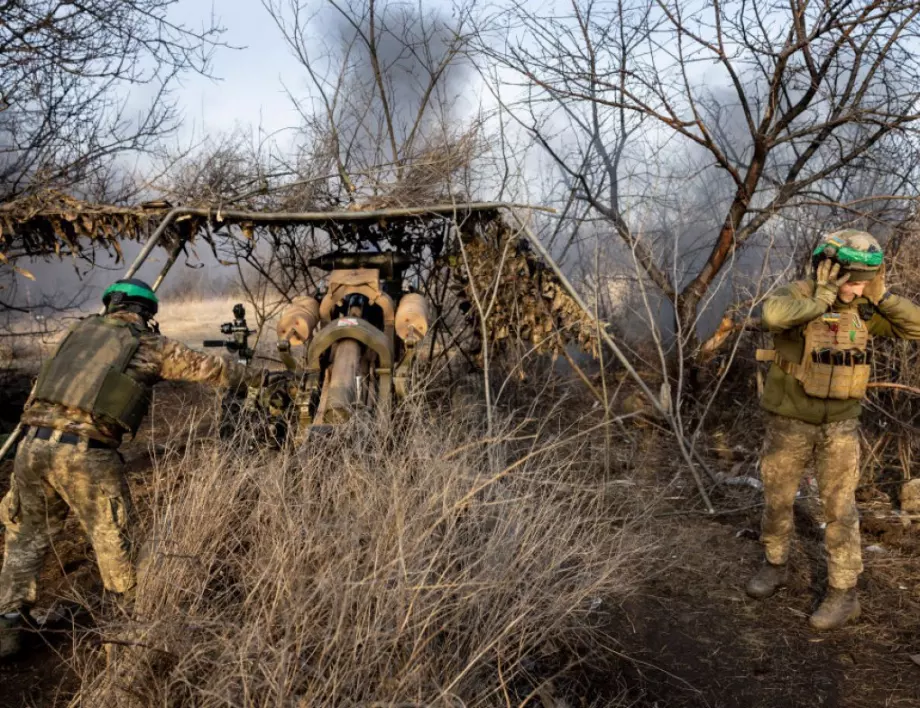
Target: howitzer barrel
412, 318
298, 320
389, 261
214, 343
343, 384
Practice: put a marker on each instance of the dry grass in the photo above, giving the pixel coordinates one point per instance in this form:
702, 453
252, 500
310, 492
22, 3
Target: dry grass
419, 564
26, 340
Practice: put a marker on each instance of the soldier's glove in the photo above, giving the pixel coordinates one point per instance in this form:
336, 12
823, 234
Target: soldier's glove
875, 289
827, 282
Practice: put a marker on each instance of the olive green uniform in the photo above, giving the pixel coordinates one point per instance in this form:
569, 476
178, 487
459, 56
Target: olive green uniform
50, 477
802, 428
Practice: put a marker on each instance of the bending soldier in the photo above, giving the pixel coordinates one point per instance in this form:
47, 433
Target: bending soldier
93, 390
821, 329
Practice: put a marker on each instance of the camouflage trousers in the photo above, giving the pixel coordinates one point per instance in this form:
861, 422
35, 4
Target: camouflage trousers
50, 479
834, 447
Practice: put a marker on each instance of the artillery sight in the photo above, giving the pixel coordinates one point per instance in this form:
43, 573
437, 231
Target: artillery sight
238, 334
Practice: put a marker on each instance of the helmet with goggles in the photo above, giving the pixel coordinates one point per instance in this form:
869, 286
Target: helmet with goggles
857, 252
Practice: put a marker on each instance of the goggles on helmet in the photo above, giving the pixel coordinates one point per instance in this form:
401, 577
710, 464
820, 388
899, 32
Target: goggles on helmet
847, 256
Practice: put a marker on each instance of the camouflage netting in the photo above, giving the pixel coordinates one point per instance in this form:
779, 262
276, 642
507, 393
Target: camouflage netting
530, 305
53, 223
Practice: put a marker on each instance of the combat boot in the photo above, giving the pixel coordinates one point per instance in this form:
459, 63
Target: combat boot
838, 607
767, 581
11, 628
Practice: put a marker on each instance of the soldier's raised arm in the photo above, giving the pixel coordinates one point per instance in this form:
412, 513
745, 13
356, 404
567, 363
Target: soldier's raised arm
799, 303
790, 307
895, 316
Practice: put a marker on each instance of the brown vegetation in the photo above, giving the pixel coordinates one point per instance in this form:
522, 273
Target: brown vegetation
419, 565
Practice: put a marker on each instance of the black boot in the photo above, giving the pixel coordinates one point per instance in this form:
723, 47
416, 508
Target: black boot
838, 607
767, 581
12, 626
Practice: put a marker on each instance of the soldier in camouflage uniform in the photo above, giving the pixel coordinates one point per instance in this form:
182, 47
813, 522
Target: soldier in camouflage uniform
94, 390
812, 395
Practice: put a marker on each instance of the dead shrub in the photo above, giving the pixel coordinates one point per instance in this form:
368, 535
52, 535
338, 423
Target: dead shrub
417, 564
892, 418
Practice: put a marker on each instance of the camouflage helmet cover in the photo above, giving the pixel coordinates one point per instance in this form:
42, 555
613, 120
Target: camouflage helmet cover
858, 253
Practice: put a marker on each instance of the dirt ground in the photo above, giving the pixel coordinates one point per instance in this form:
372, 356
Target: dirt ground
693, 638
689, 638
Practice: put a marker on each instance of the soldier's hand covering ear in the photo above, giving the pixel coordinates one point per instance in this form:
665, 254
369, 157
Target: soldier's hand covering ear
828, 282
875, 289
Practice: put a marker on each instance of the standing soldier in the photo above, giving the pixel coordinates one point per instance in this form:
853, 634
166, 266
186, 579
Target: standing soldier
93, 390
821, 365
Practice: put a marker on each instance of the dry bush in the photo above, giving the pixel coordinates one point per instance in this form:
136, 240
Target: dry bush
892, 416
416, 564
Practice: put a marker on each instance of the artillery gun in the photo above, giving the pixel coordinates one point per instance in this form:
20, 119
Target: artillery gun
347, 347
356, 340
393, 277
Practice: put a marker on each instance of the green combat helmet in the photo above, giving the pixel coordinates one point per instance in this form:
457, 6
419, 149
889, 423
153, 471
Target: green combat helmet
132, 294
857, 252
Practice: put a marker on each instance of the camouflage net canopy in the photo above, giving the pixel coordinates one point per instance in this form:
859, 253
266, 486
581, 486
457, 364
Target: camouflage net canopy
53, 223
465, 254
531, 305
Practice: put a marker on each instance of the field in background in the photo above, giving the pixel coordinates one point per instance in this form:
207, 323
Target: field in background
192, 320
28, 339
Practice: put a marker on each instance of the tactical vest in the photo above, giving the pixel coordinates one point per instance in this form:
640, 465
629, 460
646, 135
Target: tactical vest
87, 372
835, 362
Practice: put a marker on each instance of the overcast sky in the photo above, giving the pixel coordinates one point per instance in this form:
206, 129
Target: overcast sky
247, 92
249, 88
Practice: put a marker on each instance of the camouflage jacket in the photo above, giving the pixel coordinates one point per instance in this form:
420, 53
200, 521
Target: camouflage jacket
157, 358
785, 314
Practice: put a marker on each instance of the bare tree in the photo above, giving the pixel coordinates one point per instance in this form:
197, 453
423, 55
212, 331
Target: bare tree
72, 78
382, 123
384, 109
773, 108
